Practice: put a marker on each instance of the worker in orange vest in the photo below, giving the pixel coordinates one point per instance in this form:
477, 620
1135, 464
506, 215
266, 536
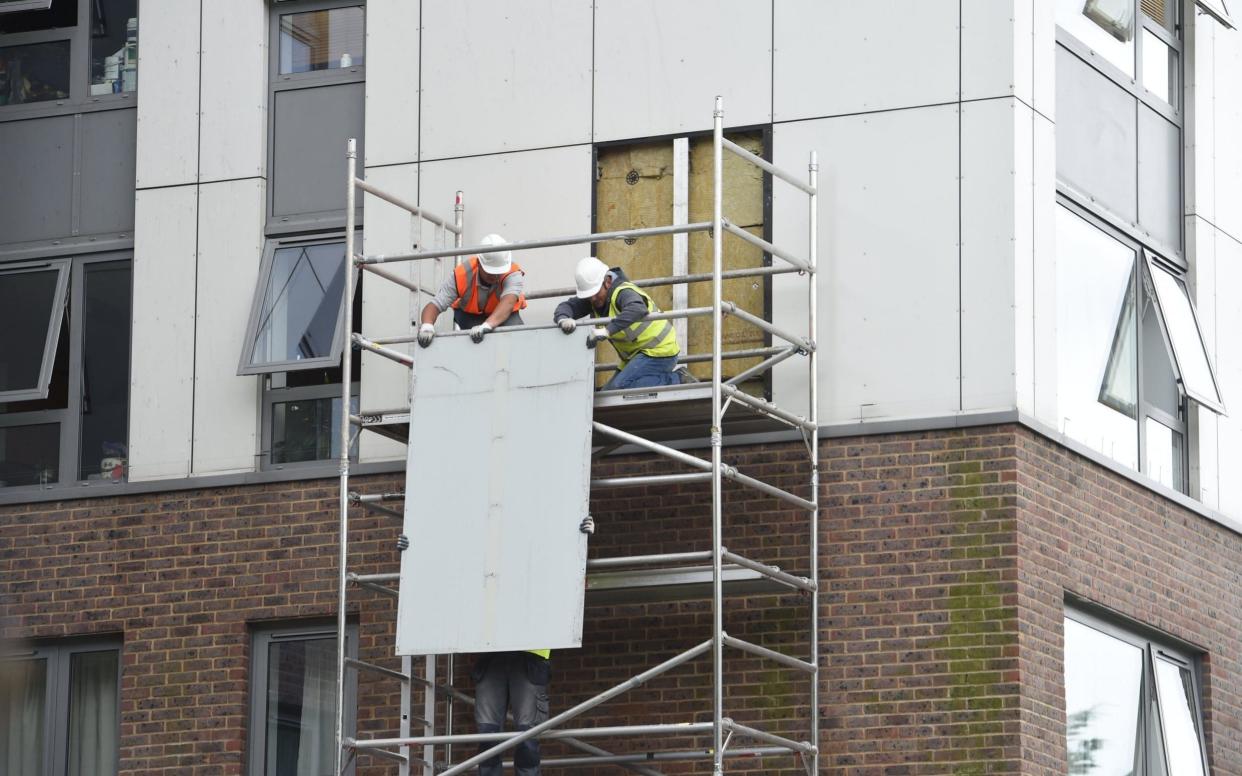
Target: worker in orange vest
485, 291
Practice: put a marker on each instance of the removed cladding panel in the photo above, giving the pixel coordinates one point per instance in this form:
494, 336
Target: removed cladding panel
499, 460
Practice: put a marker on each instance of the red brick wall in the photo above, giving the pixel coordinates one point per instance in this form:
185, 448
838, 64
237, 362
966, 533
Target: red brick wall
945, 557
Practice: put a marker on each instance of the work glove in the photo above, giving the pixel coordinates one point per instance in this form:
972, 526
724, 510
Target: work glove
426, 333
403, 543
568, 325
598, 333
587, 526
476, 334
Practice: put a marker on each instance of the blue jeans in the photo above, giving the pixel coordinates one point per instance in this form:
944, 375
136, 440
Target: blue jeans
643, 371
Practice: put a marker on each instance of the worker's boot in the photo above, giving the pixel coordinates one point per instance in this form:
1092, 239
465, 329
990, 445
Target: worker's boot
683, 374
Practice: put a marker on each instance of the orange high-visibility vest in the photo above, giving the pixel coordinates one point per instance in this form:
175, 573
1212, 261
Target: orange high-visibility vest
467, 279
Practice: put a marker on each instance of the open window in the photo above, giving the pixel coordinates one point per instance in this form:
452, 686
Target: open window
1218, 11
12, 6
32, 306
1181, 326
295, 320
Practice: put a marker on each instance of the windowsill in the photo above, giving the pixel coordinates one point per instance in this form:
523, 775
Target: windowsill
67, 107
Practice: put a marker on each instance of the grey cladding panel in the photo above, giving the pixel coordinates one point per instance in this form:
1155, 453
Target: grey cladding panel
308, 147
36, 185
498, 472
1096, 135
108, 142
1160, 177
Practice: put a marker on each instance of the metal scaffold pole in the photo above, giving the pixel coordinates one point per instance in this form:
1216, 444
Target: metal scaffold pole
813, 415
347, 306
716, 442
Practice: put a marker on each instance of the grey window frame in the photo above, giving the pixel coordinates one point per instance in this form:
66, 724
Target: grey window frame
1213, 403
273, 396
52, 336
247, 365
263, 636
80, 99
1155, 646
68, 417
56, 694
1218, 11
277, 83
13, 6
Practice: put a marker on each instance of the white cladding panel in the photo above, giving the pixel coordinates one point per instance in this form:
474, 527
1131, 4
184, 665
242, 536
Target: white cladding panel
888, 261
1024, 260
1228, 120
234, 89
1043, 56
496, 561
1204, 465
523, 196
1229, 372
500, 76
1201, 126
226, 405
392, 78
990, 54
841, 56
1043, 273
659, 66
161, 395
388, 308
168, 115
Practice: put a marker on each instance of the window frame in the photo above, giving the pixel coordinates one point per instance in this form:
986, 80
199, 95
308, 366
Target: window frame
59, 659
52, 336
262, 636
14, 6
1155, 646
273, 396
1154, 265
68, 417
1218, 11
80, 99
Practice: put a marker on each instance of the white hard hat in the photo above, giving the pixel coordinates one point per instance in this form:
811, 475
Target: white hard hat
589, 276
495, 262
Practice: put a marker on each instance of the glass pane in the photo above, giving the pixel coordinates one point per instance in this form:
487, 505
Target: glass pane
1103, 678
301, 304
105, 372
308, 430
58, 384
27, 301
301, 708
322, 40
1104, 26
1183, 329
114, 46
93, 723
1164, 454
1177, 715
62, 14
34, 73
1158, 69
23, 696
1096, 339
29, 455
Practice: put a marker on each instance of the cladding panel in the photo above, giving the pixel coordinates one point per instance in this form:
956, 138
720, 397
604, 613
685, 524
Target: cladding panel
107, 172
393, 52
234, 90
308, 155
169, 62
36, 199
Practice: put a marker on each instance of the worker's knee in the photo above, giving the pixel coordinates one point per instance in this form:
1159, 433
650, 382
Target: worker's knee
493, 762
526, 754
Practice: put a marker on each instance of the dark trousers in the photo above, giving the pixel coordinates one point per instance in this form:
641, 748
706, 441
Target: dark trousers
470, 320
517, 681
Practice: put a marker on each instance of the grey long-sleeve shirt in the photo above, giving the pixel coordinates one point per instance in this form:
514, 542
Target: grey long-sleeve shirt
513, 284
631, 307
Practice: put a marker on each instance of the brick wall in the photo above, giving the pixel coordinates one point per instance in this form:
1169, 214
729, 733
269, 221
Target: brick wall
945, 557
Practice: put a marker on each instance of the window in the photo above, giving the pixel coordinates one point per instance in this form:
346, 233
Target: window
322, 40
60, 710
293, 700
9, 6
1131, 703
1217, 10
73, 425
1120, 322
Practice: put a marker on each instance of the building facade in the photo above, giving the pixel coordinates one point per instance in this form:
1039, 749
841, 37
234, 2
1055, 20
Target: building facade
1030, 403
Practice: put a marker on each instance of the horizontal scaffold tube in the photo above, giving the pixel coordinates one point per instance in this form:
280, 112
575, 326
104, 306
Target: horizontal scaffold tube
766, 246
673, 729
800, 583
654, 447
389, 353
793, 339
675, 280
413, 209
770, 738
648, 560
700, 358
363, 666
766, 166
694, 312
767, 407
657, 757
651, 479
771, 490
770, 654
525, 245
395, 278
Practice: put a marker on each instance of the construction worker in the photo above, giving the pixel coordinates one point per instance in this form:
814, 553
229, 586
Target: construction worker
648, 349
485, 291
516, 682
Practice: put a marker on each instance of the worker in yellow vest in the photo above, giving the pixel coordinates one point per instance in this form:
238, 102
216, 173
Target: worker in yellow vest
518, 682
485, 291
647, 348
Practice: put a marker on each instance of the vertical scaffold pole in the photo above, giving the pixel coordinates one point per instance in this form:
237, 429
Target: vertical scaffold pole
347, 306
813, 415
459, 220
717, 441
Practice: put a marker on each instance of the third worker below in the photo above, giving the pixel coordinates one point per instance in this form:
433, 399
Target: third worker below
647, 348
485, 291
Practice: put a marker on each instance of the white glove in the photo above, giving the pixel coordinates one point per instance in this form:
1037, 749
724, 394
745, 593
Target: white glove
568, 325
403, 543
476, 334
426, 333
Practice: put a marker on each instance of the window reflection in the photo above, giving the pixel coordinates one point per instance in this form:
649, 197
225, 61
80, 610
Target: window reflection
1104, 26
309, 430
114, 46
301, 304
301, 708
1103, 683
1164, 454
37, 72
322, 40
23, 703
1177, 717
1157, 65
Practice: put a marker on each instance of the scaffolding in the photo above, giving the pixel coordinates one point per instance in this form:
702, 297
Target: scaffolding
614, 578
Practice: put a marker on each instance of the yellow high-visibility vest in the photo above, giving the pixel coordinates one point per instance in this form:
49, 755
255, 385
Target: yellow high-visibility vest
655, 338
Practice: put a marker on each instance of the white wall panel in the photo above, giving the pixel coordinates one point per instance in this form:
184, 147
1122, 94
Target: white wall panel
888, 256
523, 196
168, 111
161, 376
1228, 119
226, 406
1201, 122
1024, 259
988, 260
1043, 274
234, 86
392, 78
842, 56
1229, 374
500, 76
388, 308
1201, 239
991, 56
660, 65
1043, 57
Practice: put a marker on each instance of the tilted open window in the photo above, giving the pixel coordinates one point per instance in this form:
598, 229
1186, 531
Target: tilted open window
12, 6
32, 305
1217, 10
1181, 326
295, 320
